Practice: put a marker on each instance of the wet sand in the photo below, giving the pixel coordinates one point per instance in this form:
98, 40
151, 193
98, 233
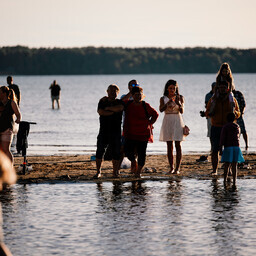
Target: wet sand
80, 168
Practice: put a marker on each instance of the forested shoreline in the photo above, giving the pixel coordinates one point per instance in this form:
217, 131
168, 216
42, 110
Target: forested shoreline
20, 60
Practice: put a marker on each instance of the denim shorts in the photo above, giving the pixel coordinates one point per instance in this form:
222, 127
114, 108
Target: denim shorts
6, 136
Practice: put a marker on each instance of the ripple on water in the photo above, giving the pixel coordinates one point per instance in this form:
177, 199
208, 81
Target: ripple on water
186, 217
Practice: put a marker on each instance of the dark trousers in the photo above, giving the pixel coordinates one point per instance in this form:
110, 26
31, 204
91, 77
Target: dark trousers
133, 147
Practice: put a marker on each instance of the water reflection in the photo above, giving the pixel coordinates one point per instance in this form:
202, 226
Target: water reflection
181, 217
225, 219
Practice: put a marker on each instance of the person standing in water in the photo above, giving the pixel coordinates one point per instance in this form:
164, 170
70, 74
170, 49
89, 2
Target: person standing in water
55, 93
232, 154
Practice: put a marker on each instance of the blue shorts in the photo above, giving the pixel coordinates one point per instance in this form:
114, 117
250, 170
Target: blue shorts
232, 155
215, 138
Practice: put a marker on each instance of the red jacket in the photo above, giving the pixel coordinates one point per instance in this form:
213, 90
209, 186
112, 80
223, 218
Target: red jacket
136, 122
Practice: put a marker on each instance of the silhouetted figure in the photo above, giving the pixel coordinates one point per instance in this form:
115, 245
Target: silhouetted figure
139, 118
240, 121
15, 88
232, 153
217, 108
55, 93
9, 108
110, 110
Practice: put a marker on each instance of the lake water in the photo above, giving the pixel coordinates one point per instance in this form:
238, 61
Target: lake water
74, 128
183, 217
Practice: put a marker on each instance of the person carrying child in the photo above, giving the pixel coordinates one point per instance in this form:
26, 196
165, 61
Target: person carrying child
232, 153
224, 75
220, 105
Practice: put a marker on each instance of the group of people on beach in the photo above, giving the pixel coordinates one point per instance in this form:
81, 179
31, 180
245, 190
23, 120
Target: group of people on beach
223, 113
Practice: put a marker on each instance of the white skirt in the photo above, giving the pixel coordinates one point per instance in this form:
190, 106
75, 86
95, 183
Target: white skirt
172, 128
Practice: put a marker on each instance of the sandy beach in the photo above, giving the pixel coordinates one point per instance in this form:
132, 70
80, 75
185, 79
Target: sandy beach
79, 168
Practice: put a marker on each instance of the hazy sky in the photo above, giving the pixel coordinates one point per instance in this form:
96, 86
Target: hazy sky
134, 23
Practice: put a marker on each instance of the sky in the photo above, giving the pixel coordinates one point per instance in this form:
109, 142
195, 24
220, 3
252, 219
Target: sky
134, 23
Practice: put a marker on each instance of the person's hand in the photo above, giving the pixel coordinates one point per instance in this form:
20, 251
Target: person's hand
202, 113
17, 121
177, 100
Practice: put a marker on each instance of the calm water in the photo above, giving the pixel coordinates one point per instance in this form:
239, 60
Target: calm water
186, 217
74, 128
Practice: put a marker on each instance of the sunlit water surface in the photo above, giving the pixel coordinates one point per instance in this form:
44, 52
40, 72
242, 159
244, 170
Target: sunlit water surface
186, 217
73, 129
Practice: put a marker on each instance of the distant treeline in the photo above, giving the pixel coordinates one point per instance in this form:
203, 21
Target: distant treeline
21, 60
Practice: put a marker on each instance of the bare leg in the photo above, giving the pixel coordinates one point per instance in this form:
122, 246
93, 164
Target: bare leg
226, 167
170, 154
138, 172
245, 136
115, 167
178, 155
234, 171
134, 166
5, 145
98, 167
122, 158
52, 103
4, 250
58, 103
215, 161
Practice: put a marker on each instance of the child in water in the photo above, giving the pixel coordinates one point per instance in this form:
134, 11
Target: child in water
232, 153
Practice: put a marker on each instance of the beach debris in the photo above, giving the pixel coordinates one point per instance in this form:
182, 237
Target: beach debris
28, 167
150, 170
245, 165
202, 159
126, 164
93, 158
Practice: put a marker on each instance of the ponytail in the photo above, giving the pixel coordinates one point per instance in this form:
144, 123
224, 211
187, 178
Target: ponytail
9, 92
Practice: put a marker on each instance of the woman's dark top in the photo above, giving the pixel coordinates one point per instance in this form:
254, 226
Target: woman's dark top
6, 118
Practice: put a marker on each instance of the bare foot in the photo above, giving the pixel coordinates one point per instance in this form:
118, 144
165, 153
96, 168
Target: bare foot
97, 176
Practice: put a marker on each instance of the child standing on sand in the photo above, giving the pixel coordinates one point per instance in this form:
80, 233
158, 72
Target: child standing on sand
232, 153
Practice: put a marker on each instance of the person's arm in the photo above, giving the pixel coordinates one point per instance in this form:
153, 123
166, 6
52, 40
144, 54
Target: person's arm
115, 109
237, 110
152, 113
126, 97
179, 100
18, 96
162, 106
16, 111
208, 107
110, 110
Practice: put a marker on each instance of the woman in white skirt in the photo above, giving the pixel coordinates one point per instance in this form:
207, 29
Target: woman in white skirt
172, 103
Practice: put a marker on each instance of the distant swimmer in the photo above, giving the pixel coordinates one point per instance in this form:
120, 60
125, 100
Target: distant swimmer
55, 93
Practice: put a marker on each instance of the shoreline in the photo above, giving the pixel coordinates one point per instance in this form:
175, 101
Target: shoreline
80, 168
